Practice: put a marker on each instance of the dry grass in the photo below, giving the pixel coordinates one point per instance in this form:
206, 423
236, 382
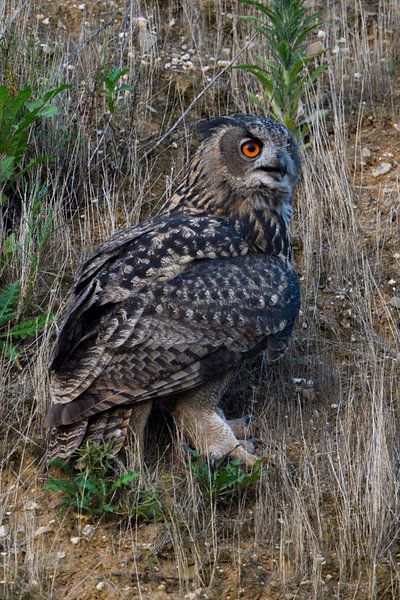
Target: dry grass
323, 523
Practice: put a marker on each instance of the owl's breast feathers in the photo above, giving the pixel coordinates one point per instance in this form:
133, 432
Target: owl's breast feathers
165, 306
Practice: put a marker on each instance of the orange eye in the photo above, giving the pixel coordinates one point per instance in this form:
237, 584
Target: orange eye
251, 149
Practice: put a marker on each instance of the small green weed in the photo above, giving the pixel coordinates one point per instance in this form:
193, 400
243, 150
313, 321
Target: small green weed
18, 113
19, 331
92, 489
112, 88
224, 480
289, 74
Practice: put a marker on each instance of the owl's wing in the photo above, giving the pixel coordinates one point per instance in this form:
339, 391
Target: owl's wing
176, 334
116, 275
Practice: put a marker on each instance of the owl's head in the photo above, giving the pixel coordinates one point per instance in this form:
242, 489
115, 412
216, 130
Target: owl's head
249, 157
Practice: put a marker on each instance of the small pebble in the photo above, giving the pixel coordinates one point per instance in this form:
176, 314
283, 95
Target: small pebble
314, 48
395, 301
100, 586
75, 540
366, 152
88, 530
382, 169
30, 505
3, 531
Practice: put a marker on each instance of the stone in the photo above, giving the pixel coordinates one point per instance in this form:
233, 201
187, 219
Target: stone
314, 48
3, 531
395, 301
382, 169
366, 152
75, 540
43, 530
88, 530
31, 505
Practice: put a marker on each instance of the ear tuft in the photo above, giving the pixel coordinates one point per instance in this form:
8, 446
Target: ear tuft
209, 127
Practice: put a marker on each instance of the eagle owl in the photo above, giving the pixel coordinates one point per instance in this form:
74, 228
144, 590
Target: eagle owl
168, 310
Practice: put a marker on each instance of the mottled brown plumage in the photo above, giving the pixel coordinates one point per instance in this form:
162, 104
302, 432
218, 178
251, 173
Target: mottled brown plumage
168, 310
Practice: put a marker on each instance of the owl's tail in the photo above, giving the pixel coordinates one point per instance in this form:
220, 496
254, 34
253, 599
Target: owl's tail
110, 425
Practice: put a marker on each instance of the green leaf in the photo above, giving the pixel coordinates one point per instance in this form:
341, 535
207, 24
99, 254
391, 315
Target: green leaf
108, 508
8, 299
10, 107
10, 245
260, 73
60, 485
49, 111
7, 168
35, 107
126, 479
30, 327
5, 96
86, 485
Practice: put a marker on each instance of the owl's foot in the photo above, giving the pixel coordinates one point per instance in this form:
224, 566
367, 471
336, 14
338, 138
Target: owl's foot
250, 444
240, 427
211, 434
239, 452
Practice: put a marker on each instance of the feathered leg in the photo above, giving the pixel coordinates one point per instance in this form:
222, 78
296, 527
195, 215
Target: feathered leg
197, 415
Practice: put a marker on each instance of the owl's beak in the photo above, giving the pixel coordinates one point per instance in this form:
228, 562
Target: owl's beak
277, 167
